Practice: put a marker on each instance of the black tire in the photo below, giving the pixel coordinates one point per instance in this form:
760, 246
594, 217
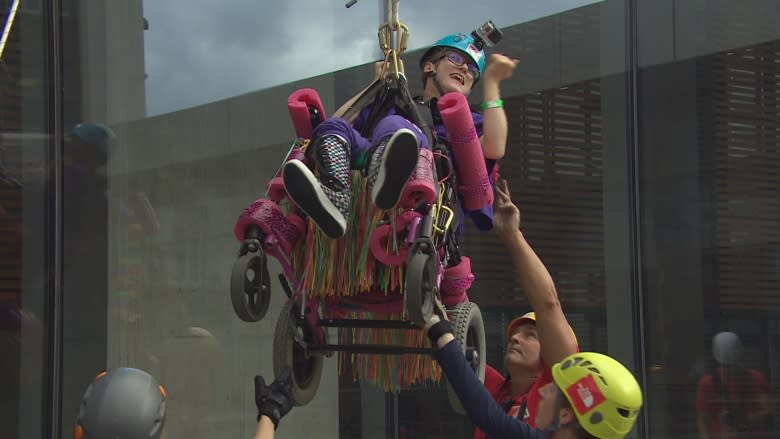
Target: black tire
250, 286
470, 332
420, 288
306, 370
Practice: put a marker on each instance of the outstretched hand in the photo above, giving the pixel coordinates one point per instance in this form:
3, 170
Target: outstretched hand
437, 327
274, 400
506, 215
439, 313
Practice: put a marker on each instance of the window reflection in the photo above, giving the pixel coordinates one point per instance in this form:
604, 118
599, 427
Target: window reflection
194, 96
707, 164
25, 186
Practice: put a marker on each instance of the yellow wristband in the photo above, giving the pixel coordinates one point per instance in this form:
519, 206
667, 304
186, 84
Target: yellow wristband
495, 103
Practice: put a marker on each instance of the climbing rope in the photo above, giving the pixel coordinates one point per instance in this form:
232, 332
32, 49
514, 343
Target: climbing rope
393, 37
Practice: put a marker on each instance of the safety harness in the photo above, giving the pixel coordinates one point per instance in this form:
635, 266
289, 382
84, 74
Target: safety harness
390, 90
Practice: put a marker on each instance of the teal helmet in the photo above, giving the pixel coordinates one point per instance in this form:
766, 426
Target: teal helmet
94, 140
94, 133
466, 44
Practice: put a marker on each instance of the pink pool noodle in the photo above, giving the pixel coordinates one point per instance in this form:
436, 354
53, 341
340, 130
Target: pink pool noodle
475, 188
298, 104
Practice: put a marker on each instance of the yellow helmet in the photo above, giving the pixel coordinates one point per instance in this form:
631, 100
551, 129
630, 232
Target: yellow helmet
604, 395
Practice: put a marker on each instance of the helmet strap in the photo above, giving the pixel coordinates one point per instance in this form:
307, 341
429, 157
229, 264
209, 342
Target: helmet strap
437, 84
432, 74
435, 77
555, 424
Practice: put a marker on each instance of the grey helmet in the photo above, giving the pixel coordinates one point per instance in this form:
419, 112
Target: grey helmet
124, 403
726, 348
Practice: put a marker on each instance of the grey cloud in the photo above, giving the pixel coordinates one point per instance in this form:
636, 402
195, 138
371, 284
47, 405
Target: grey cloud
199, 51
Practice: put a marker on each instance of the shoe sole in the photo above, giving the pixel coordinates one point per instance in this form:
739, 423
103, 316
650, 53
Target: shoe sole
398, 163
304, 189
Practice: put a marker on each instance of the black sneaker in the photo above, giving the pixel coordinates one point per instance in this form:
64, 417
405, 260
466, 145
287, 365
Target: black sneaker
397, 162
314, 199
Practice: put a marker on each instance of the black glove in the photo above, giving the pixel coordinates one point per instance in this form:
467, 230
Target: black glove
275, 400
437, 323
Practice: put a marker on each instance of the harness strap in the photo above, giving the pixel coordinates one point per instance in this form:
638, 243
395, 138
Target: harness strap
407, 104
367, 97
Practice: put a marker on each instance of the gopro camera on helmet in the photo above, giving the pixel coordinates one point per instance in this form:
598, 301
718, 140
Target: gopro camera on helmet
487, 35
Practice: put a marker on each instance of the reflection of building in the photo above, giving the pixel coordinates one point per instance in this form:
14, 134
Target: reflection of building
103, 61
109, 63
742, 107
10, 224
102, 64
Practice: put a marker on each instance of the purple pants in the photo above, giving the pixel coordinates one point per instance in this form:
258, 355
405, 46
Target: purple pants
359, 144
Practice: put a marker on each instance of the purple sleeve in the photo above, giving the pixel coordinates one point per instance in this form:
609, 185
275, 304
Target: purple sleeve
361, 118
478, 119
480, 407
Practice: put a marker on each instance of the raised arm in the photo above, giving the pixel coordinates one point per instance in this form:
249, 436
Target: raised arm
265, 428
494, 137
273, 402
764, 402
556, 337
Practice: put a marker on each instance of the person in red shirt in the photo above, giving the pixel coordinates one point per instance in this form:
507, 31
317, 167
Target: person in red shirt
733, 401
537, 339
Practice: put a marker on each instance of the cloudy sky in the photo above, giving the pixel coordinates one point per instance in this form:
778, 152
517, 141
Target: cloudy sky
200, 51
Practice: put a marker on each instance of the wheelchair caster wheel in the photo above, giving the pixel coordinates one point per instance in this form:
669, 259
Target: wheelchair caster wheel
470, 333
420, 288
290, 336
250, 286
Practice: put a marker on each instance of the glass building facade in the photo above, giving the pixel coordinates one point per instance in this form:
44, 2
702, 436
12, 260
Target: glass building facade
644, 153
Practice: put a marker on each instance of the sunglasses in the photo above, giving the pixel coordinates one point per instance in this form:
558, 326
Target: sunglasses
459, 60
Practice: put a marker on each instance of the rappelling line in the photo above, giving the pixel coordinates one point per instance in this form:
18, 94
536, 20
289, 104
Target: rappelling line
393, 37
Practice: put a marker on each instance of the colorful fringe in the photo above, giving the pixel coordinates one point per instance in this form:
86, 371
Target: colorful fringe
346, 267
389, 372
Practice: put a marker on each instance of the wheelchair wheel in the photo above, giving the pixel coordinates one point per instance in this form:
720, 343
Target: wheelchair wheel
250, 286
420, 287
470, 333
288, 353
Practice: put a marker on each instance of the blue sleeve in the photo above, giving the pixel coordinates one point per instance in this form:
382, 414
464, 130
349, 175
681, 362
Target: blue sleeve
480, 407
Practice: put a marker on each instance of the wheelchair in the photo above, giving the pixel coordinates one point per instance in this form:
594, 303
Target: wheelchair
392, 264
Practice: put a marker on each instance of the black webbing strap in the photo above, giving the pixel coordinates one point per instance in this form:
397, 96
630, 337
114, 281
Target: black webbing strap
382, 96
407, 104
